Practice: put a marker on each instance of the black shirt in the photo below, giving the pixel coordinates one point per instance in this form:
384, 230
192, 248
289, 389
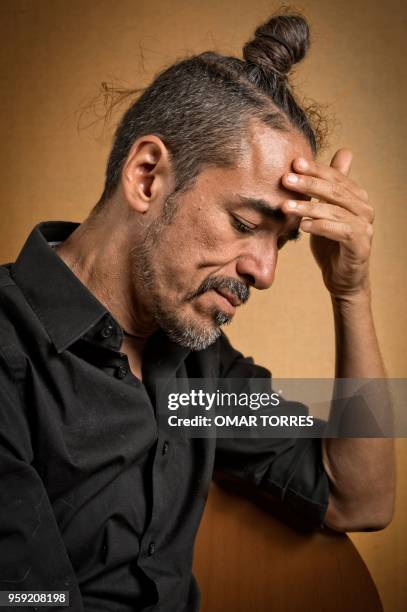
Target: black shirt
94, 498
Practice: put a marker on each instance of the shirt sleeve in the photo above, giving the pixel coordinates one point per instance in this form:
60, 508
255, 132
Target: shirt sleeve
289, 469
32, 552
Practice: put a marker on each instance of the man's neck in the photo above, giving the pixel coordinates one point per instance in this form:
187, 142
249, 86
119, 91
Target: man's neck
98, 253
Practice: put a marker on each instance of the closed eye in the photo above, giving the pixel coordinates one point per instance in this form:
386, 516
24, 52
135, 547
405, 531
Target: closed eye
241, 227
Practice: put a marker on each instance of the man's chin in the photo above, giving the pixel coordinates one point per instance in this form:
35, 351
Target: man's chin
194, 337
192, 340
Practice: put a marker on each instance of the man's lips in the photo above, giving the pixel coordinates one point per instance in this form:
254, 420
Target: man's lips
230, 297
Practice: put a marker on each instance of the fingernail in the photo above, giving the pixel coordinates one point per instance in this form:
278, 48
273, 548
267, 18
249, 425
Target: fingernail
302, 163
292, 204
292, 178
306, 225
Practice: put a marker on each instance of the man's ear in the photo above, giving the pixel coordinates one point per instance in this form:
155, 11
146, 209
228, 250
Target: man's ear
147, 176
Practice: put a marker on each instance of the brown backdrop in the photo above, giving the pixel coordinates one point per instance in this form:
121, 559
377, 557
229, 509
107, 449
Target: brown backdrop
54, 55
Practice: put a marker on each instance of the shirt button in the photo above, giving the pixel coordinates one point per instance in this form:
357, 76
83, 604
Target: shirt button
151, 548
121, 372
107, 331
165, 447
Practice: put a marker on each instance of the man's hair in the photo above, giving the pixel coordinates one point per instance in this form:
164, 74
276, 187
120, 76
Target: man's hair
200, 107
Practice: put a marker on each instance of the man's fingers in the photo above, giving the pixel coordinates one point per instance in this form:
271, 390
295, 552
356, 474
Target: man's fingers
311, 167
358, 234
342, 161
328, 191
317, 210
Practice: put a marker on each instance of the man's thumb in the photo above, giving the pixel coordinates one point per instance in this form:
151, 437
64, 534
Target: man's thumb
342, 160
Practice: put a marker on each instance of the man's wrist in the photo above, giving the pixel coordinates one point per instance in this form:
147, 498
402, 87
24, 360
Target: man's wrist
358, 299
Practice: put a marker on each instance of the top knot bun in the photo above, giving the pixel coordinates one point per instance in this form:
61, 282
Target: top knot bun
279, 43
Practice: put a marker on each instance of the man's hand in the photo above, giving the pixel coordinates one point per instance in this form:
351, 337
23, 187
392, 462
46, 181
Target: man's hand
340, 223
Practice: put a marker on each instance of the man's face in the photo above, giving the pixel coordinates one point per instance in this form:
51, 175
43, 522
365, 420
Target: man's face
223, 239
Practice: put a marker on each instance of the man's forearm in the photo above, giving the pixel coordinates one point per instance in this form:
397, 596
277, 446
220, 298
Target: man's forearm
361, 470
357, 349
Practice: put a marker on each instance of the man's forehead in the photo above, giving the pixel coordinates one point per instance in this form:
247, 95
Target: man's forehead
268, 151
266, 157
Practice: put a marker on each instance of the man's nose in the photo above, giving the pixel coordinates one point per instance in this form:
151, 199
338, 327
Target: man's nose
258, 268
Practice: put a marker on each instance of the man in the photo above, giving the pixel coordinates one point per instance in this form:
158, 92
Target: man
211, 172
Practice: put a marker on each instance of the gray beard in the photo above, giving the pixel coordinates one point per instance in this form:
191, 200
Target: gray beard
183, 331
187, 334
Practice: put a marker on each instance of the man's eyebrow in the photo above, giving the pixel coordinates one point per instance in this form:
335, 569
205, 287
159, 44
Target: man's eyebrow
264, 207
270, 211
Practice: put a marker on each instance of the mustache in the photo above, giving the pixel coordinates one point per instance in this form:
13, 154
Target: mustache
232, 285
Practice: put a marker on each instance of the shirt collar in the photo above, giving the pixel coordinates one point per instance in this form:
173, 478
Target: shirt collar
66, 308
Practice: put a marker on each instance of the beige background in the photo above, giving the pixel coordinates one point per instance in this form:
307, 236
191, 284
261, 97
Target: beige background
54, 55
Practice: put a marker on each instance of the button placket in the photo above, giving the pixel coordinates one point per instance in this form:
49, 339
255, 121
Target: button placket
122, 371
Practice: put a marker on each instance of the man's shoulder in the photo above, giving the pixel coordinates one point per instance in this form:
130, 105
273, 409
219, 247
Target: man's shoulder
6, 279
10, 293
11, 304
